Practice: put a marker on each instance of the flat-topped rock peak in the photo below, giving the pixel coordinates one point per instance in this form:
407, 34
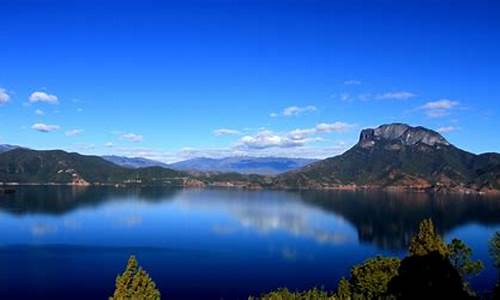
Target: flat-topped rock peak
402, 133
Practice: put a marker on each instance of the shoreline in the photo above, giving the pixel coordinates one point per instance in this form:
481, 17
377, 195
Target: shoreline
241, 186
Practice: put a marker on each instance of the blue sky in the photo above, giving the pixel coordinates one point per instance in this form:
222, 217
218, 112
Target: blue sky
171, 80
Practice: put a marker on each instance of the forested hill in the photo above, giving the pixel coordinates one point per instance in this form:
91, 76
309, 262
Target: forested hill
55, 166
399, 156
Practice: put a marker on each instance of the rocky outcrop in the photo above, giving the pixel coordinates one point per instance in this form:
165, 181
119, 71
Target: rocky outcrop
401, 133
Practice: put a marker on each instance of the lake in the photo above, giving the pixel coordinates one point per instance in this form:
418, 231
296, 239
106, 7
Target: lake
70, 243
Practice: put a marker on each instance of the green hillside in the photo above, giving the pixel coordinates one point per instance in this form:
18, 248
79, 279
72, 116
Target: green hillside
398, 155
56, 166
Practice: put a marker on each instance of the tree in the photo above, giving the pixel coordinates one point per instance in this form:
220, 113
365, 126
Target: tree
460, 257
370, 279
427, 240
285, 294
134, 283
495, 249
429, 276
495, 256
344, 290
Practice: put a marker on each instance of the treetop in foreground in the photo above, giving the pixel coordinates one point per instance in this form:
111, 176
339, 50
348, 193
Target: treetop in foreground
427, 240
135, 284
285, 294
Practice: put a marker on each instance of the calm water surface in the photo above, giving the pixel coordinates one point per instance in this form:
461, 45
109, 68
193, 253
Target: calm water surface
67, 243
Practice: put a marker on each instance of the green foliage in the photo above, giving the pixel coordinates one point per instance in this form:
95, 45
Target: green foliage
344, 290
460, 258
134, 283
427, 240
370, 279
495, 256
429, 276
56, 166
495, 249
285, 294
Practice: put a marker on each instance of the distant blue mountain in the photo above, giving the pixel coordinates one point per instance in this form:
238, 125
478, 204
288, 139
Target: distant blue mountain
244, 165
5, 148
134, 162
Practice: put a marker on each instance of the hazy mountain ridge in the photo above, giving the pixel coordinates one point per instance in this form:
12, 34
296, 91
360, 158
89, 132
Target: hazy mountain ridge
243, 164
134, 162
237, 164
6, 147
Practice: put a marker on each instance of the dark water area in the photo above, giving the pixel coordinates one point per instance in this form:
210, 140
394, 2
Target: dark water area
70, 243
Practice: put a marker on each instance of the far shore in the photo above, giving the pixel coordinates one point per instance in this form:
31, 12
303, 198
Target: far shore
243, 186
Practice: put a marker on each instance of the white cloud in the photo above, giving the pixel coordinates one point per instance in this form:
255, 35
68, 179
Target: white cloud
436, 113
296, 110
295, 138
399, 95
345, 97
267, 139
44, 127
74, 132
440, 104
225, 131
333, 127
263, 143
439, 108
299, 134
40, 96
4, 96
39, 112
320, 128
446, 129
132, 137
352, 82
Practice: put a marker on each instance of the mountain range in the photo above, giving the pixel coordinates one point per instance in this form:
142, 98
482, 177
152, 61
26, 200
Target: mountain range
398, 156
134, 162
243, 165
392, 157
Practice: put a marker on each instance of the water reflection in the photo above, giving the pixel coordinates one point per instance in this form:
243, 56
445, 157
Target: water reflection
266, 212
59, 200
387, 220
230, 243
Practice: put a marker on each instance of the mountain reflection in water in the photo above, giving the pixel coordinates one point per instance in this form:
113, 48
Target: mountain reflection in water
217, 243
387, 220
